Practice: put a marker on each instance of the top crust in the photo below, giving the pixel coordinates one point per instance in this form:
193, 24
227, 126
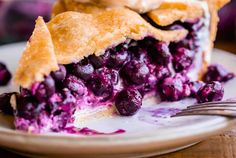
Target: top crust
165, 13
143, 6
61, 6
214, 6
169, 12
140, 6
38, 58
71, 36
218, 3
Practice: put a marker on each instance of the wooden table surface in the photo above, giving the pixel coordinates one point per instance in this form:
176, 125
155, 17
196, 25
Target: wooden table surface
221, 146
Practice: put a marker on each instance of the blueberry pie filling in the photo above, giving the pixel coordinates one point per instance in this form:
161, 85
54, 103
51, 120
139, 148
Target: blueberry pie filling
123, 76
80, 66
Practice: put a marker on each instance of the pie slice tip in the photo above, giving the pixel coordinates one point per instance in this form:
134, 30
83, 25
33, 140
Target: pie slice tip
38, 58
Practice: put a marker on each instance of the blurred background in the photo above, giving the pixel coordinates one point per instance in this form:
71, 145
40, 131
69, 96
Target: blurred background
17, 21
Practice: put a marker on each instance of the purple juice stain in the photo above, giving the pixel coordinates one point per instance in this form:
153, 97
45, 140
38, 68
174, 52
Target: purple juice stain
90, 132
155, 116
217, 72
164, 112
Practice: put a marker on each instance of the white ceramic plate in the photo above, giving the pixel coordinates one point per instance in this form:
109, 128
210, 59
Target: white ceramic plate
148, 133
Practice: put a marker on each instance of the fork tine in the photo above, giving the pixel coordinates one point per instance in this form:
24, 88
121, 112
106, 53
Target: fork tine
225, 104
211, 108
228, 113
207, 110
222, 108
216, 102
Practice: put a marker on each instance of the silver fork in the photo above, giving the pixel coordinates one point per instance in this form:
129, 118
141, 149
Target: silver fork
220, 108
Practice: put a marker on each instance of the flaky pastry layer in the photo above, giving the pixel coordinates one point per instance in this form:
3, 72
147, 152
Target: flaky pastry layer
165, 14
143, 6
214, 6
169, 12
39, 57
71, 36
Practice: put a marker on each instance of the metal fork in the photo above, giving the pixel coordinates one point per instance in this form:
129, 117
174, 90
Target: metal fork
220, 108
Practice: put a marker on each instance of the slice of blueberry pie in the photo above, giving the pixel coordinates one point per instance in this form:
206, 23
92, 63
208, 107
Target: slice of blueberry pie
83, 66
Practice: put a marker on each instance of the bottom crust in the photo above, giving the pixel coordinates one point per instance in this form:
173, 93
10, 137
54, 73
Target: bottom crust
84, 116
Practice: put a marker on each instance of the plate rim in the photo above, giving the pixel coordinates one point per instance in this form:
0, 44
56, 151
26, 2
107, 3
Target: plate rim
128, 139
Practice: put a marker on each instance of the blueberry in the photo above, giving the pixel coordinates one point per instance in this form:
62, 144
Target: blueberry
45, 89
118, 58
54, 101
25, 92
101, 86
5, 105
182, 59
114, 77
120, 47
194, 25
128, 102
162, 72
140, 54
83, 69
191, 44
195, 86
68, 100
60, 121
135, 72
63, 101
186, 90
217, 73
60, 74
26, 108
149, 85
175, 27
192, 41
99, 61
193, 36
174, 88
212, 91
5, 75
146, 42
75, 85
110, 75
160, 53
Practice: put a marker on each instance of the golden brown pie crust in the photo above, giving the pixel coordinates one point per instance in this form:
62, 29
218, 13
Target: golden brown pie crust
214, 6
73, 36
142, 6
61, 6
170, 12
38, 58
165, 14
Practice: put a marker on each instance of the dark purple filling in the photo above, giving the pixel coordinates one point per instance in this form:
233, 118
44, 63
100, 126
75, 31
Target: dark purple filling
5, 105
128, 101
212, 91
5, 75
217, 73
124, 74
195, 86
59, 75
175, 88
84, 69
